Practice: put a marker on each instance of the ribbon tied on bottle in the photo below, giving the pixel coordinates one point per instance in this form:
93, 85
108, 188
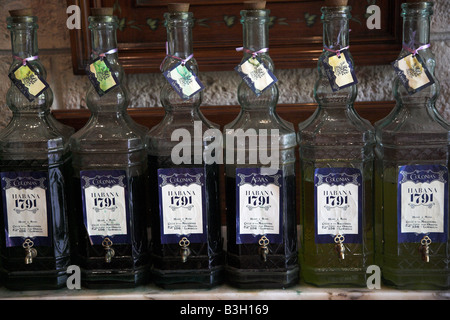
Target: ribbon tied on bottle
104, 54
183, 61
24, 61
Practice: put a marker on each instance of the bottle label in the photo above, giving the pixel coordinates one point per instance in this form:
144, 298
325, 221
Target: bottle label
256, 75
422, 202
26, 79
182, 204
26, 207
258, 206
101, 77
104, 196
339, 70
413, 73
184, 81
338, 204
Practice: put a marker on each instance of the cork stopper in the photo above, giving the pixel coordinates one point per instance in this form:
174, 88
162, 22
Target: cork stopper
178, 7
254, 5
335, 3
102, 11
21, 12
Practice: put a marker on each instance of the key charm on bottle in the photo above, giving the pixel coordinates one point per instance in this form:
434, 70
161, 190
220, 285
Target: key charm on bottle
30, 252
184, 251
424, 248
109, 252
263, 249
339, 240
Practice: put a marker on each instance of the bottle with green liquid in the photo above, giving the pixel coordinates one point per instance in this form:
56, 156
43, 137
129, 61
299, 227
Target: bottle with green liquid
411, 180
336, 163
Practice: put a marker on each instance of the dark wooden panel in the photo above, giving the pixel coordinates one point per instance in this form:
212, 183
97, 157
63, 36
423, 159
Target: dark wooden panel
295, 113
295, 33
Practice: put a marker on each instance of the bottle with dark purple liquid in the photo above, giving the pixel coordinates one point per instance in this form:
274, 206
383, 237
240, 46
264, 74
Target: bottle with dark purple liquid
109, 226
260, 173
34, 165
186, 245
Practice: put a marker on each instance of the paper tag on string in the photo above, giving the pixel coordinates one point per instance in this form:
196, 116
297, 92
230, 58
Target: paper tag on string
184, 81
26, 79
101, 76
413, 73
256, 75
339, 70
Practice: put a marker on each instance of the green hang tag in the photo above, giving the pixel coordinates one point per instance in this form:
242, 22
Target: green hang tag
26, 79
101, 77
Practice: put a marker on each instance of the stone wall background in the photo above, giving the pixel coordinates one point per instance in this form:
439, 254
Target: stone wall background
295, 84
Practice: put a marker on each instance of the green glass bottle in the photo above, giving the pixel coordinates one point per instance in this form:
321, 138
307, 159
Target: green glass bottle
336, 162
411, 181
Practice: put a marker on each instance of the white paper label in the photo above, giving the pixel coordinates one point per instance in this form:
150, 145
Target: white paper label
27, 212
105, 210
182, 209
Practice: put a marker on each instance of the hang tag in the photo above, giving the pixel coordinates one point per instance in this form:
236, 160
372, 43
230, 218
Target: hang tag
339, 70
28, 81
184, 81
413, 73
101, 77
256, 75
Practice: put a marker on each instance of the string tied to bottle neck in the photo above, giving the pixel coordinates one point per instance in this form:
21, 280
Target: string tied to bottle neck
410, 47
253, 53
337, 52
25, 60
183, 61
104, 54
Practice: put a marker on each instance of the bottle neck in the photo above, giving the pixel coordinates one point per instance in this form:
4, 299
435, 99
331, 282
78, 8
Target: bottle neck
255, 30
416, 23
180, 45
104, 36
336, 27
416, 35
179, 34
24, 42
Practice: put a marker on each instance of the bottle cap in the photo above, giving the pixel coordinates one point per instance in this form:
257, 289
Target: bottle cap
335, 3
178, 7
21, 12
102, 11
254, 5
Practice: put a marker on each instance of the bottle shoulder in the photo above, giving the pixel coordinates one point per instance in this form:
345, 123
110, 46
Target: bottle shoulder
403, 125
335, 127
118, 134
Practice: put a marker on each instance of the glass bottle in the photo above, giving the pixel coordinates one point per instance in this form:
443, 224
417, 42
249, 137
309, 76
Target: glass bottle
336, 161
257, 190
412, 223
34, 161
110, 242
186, 246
